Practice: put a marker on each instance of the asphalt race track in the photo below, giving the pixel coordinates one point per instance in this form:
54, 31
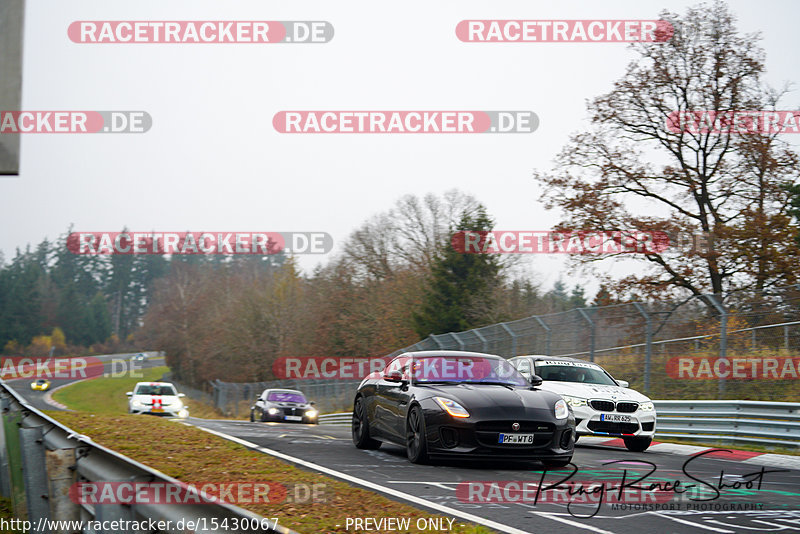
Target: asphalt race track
740, 506
773, 508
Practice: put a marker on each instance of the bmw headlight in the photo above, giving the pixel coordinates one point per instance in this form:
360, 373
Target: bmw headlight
647, 406
451, 407
575, 402
560, 409
273, 411
311, 414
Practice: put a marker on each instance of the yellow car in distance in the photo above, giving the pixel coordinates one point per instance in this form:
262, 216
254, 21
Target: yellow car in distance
40, 385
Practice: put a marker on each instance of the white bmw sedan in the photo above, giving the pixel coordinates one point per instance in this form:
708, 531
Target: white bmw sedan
602, 406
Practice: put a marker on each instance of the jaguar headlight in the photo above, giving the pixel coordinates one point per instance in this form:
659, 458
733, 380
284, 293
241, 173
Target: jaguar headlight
452, 407
561, 410
575, 402
647, 406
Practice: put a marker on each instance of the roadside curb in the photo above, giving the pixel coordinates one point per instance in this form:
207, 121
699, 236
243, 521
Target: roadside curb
723, 453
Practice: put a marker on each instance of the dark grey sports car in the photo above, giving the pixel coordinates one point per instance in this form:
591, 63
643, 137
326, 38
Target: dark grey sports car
440, 404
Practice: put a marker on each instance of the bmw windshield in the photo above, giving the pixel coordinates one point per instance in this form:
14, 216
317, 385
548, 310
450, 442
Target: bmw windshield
286, 396
573, 372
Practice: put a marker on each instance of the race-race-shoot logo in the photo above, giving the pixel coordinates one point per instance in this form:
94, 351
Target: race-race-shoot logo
405, 122
564, 31
15, 122
199, 31
253, 243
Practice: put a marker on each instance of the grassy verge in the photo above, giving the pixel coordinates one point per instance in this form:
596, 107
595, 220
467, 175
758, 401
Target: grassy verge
104, 395
107, 395
194, 456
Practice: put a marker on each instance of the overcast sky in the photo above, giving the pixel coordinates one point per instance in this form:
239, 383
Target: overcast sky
212, 160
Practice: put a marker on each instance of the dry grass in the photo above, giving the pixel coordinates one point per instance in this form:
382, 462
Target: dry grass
192, 455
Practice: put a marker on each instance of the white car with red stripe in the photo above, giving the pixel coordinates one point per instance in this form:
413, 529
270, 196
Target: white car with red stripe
156, 398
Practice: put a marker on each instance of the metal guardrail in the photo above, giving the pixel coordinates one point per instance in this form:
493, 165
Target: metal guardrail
765, 423
736, 421
342, 419
40, 460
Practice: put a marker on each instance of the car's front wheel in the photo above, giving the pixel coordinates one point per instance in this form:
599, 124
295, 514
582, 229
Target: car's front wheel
637, 444
360, 427
416, 443
252, 416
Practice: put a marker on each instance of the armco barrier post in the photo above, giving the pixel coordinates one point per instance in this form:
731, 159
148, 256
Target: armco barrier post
5, 476
60, 465
33, 460
11, 424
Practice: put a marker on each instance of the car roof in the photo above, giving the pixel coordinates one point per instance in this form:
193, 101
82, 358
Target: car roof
281, 390
154, 384
452, 353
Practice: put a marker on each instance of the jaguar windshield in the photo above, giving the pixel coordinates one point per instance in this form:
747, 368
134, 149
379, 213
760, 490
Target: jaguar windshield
465, 369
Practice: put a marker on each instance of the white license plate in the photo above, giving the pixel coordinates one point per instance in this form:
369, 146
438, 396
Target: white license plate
615, 418
516, 438
293, 418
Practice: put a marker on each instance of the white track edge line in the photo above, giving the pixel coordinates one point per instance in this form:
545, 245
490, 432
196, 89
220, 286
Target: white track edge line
361, 482
572, 523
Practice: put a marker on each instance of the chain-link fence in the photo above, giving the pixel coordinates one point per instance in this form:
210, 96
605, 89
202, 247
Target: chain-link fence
698, 348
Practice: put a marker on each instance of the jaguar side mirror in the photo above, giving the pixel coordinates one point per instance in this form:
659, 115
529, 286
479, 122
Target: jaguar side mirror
394, 375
